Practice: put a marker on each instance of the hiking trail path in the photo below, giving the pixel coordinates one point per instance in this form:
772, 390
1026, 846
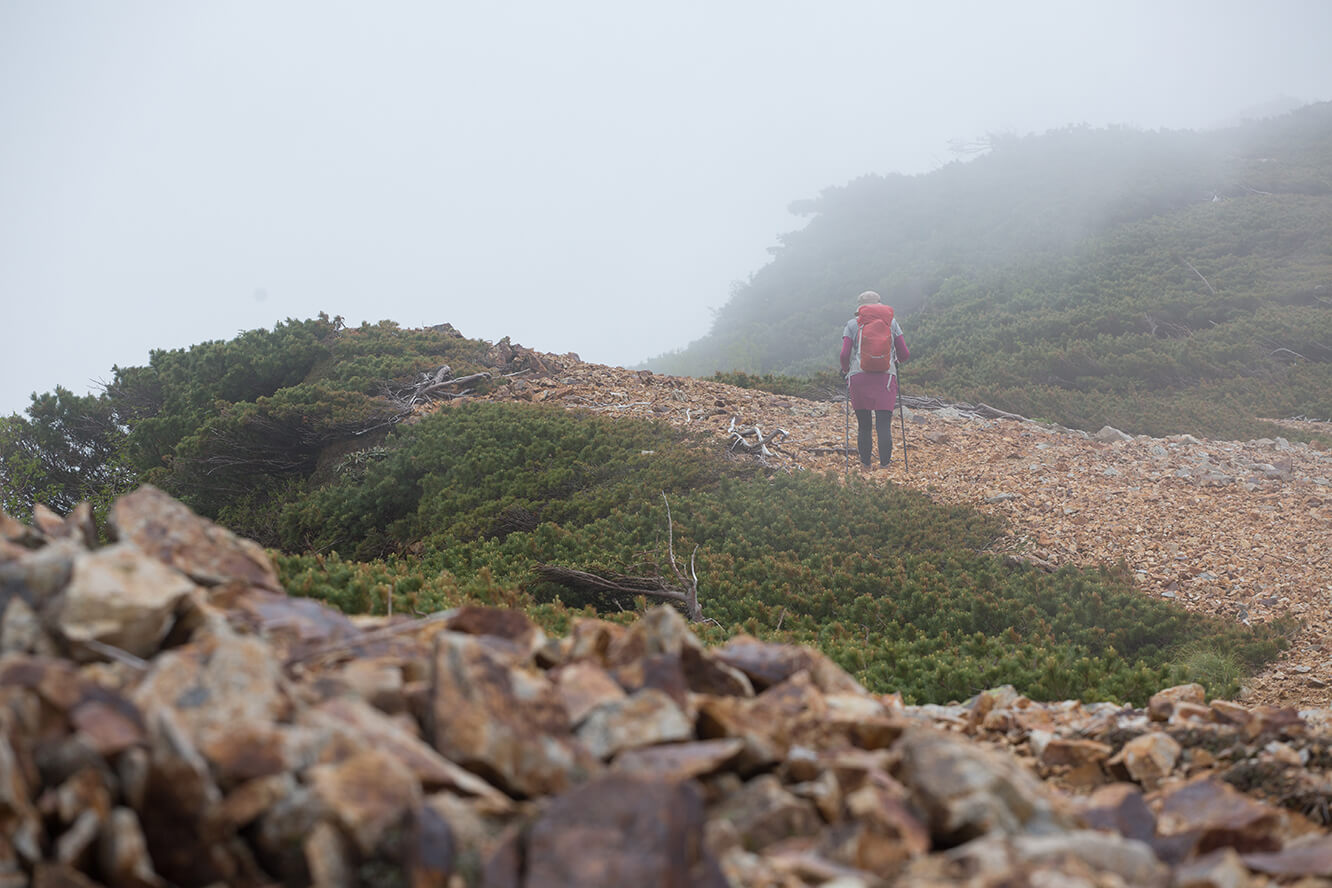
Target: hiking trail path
1238, 529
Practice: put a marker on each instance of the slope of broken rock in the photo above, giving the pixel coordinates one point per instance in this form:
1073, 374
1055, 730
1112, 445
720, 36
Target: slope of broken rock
254, 739
1241, 529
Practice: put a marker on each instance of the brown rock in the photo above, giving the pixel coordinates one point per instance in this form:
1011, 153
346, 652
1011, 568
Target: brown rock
1227, 712
283, 828
1148, 758
107, 721
47, 521
508, 725
60, 875
1219, 869
431, 854
178, 791
75, 845
296, 628
768, 664
825, 792
247, 802
1162, 704
123, 853
329, 858
880, 834
768, 724
78, 525
584, 686
1131, 860
618, 830
704, 673
378, 681
119, 596
764, 812
247, 751
1220, 816
967, 791
646, 718
1306, 856
369, 794
678, 761
1072, 753
167, 530
498, 622
22, 630
1120, 808
215, 684
19, 819
372, 729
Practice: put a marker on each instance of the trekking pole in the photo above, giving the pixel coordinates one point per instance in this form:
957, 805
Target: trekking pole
846, 432
901, 412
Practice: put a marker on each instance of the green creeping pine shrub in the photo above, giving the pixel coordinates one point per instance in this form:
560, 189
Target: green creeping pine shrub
897, 589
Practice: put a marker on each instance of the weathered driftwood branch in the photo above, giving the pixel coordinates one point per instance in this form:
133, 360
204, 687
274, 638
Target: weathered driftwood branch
440, 384
760, 443
694, 612
917, 402
610, 583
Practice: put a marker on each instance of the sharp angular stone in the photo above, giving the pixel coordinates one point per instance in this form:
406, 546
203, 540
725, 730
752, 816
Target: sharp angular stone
506, 725
646, 718
618, 830
678, 761
369, 794
768, 664
1149, 758
966, 791
1220, 816
121, 597
167, 530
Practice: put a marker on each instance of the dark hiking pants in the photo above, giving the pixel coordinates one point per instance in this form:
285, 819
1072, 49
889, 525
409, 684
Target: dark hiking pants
865, 435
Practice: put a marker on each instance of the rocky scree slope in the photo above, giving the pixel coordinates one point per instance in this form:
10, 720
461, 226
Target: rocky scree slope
168, 716
1241, 529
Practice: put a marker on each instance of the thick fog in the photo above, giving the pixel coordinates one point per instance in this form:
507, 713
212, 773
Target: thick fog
587, 175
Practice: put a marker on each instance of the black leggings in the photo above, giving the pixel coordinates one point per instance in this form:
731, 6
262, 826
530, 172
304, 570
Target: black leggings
865, 421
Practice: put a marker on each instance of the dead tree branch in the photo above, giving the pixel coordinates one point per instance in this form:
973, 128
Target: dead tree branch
760, 443
1199, 274
984, 411
611, 583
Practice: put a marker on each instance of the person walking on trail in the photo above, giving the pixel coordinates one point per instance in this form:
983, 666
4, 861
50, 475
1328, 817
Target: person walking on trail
872, 347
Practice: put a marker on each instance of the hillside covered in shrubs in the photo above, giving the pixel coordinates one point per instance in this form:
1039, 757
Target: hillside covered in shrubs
1160, 282
358, 455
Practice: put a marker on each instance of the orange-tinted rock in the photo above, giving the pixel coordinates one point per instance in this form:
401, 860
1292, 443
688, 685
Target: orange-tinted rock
168, 531
507, 725
1162, 704
369, 794
1072, 753
1149, 758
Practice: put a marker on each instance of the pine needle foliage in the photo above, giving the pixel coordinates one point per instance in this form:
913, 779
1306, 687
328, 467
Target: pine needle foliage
899, 590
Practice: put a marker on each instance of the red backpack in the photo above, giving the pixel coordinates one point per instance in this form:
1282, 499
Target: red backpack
876, 337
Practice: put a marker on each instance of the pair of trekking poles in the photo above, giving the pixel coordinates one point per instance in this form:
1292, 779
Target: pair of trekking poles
846, 426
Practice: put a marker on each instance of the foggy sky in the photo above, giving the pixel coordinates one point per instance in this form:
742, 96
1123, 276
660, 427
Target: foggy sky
586, 175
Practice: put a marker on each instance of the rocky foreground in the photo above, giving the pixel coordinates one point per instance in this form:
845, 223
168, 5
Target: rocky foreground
168, 716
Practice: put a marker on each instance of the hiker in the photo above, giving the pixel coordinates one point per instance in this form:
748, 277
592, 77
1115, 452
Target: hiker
872, 376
